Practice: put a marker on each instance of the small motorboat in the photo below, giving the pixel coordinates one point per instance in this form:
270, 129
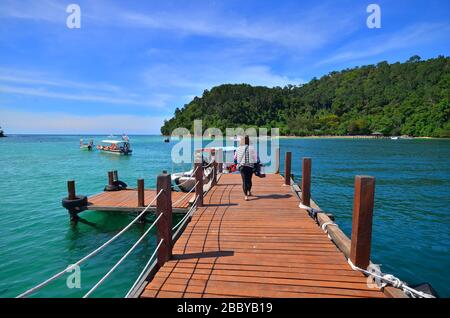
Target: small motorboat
185, 181
167, 140
118, 147
88, 147
395, 138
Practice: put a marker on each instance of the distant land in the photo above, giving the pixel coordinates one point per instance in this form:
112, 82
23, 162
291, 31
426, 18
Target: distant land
410, 98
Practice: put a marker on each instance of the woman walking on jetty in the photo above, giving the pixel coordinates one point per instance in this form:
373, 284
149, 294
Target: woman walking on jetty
245, 158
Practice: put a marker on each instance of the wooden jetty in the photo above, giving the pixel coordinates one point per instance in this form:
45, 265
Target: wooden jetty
129, 200
269, 246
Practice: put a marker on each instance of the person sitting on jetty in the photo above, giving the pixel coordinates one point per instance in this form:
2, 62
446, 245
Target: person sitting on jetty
245, 158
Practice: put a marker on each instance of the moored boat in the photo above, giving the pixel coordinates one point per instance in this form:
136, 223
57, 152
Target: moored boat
2, 134
88, 147
185, 181
118, 147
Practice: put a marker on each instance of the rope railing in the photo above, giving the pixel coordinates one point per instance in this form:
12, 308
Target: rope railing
90, 255
122, 258
145, 269
187, 215
184, 196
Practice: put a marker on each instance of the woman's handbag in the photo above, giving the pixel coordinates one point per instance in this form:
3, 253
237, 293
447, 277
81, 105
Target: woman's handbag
258, 170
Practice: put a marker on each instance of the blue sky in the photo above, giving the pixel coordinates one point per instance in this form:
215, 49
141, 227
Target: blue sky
133, 62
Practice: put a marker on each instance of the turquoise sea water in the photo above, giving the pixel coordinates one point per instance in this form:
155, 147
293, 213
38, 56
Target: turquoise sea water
411, 218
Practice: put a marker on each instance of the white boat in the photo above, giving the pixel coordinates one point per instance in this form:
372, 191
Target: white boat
185, 181
88, 147
118, 147
395, 138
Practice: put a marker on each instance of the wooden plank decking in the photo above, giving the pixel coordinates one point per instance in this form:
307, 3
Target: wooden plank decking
127, 201
265, 247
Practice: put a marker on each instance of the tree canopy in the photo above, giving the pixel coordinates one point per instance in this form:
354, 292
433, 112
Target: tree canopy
411, 98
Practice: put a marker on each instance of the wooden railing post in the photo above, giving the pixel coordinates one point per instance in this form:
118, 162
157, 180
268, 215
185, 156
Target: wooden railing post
164, 225
199, 182
277, 160
141, 192
71, 190
306, 181
287, 168
214, 166
220, 161
362, 221
110, 178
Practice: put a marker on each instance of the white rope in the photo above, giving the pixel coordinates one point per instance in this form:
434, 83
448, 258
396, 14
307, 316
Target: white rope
391, 280
187, 214
184, 196
93, 253
145, 268
122, 258
325, 227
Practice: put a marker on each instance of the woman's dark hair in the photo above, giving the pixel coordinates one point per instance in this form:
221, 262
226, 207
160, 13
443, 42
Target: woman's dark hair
247, 140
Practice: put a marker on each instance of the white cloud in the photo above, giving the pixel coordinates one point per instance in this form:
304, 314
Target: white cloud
61, 123
43, 85
408, 37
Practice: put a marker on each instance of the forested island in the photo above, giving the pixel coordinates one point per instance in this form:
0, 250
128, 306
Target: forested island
411, 98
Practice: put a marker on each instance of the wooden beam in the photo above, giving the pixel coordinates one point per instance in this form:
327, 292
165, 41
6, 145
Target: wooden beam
306, 181
287, 168
110, 178
277, 160
199, 186
164, 225
362, 221
71, 190
141, 192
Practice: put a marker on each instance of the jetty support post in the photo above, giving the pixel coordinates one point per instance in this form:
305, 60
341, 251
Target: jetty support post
71, 195
164, 225
306, 181
287, 168
199, 182
214, 166
362, 221
116, 175
71, 190
141, 192
220, 161
277, 160
110, 178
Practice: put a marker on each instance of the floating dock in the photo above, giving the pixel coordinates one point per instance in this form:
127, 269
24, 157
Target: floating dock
127, 201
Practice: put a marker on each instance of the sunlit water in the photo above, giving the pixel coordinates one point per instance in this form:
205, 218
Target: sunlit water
411, 218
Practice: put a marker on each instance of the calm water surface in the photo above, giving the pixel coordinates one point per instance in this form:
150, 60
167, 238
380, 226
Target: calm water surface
411, 218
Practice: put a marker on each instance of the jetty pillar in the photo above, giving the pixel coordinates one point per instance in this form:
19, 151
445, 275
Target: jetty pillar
220, 161
164, 225
199, 182
306, 181
277, 160
115, 175
71, 190
110, 178
141, 192
214, 166
362, 221
287, 168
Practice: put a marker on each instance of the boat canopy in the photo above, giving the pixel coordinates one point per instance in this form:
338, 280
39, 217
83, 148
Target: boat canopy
115, 142
224, 149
